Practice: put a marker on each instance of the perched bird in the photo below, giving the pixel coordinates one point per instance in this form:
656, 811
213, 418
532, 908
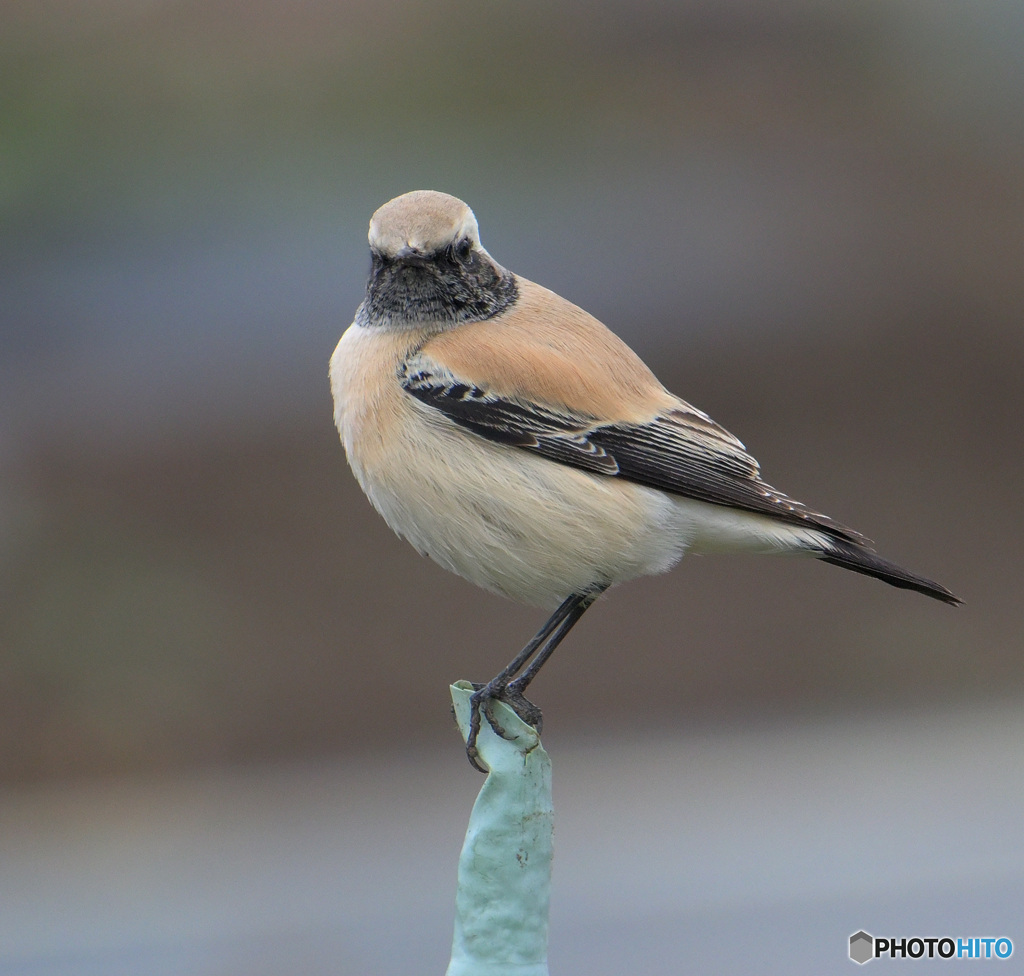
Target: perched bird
510, 436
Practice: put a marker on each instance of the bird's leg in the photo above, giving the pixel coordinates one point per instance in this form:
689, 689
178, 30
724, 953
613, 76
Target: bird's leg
508, 688
580, 605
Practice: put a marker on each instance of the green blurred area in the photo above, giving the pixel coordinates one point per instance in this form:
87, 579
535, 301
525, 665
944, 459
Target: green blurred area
165, 108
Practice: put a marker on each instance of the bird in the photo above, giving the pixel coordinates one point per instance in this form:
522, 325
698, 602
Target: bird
514, 439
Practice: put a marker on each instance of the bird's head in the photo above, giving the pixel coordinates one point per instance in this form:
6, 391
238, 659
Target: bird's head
429, 267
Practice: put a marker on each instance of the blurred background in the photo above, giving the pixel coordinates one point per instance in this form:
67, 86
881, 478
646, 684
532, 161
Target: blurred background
807, 217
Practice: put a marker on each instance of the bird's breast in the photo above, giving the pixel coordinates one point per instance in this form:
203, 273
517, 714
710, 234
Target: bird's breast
370, 408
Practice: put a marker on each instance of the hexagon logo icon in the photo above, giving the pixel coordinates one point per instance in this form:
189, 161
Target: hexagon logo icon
862, 947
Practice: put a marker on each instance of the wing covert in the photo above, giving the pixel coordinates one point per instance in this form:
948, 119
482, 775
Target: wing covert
681, 450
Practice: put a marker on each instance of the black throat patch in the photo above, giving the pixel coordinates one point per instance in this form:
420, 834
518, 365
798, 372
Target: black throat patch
447, 288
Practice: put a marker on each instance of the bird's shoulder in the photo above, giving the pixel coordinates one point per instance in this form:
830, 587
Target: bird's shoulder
548, 351
553, 358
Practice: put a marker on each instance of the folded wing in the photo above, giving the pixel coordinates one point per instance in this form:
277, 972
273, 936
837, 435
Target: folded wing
680, 450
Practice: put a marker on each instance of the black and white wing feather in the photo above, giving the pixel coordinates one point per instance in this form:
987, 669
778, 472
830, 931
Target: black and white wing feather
681, 451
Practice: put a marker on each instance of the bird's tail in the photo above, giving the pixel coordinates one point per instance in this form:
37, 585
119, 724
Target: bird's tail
851, 556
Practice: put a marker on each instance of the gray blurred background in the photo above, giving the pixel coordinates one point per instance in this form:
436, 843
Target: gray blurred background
806, 216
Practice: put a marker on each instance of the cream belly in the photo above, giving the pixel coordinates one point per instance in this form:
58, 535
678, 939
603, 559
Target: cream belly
512, 522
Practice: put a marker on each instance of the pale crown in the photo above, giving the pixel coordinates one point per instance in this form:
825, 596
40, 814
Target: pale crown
423, 222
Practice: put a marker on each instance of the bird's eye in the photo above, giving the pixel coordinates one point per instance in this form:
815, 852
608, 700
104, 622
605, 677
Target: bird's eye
463, 248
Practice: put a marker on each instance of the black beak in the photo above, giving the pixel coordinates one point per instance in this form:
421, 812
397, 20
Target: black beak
413, 257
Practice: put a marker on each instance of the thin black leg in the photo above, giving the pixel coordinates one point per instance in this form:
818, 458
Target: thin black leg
509, 688
579, 607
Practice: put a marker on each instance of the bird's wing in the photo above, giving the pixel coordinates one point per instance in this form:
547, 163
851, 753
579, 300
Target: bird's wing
678, 449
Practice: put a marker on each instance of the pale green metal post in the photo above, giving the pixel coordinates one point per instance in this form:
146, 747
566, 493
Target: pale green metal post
504, 886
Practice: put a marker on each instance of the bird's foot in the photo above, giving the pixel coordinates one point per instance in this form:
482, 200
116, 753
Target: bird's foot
480, 705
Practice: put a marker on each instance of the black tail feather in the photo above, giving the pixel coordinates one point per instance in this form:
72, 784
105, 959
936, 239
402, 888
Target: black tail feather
860, 560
